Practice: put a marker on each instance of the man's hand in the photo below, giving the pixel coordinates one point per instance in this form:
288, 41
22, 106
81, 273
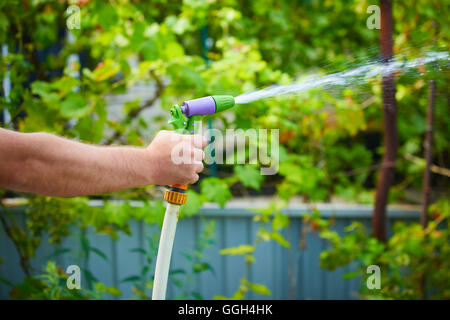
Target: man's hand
50, 165
175, 158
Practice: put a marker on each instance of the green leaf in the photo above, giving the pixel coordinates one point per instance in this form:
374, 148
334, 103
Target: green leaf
153, 212
132, 105
113, 291
193, 204
106, 70
90, 129
258, 288
40, 88
196, 295
65, 85
90, 276
278, 237
238, 295
131, 279
139, 250
199, 267
117, 214
6, 282
150, 50
187, 256
192, 77
4, 23
215, 190
249, 176
272, 208
242, 249
280, 221
330, 235
292, 172
177, 271
350, 275
173, 50
74, 106
178, 25
85, 246
250, 258
99, 253
58, 252
107, 16
145, 270
177, 282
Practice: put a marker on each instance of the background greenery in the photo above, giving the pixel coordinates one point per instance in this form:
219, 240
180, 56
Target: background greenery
330, 140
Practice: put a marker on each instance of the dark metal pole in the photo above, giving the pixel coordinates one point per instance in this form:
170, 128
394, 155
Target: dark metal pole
205, 49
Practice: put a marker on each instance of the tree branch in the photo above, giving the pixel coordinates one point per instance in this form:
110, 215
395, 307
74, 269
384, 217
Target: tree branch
135, 112
24, 263
427, 153
386, 176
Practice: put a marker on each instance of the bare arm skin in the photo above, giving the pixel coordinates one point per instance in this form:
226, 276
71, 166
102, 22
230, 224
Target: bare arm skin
50, 165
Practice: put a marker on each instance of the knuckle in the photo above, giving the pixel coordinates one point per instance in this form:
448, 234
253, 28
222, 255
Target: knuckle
195, 178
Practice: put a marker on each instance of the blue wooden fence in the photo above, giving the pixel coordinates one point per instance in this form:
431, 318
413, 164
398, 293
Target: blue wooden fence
289, 273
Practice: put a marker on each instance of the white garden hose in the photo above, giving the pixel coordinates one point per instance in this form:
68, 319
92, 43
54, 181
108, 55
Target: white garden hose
165, 251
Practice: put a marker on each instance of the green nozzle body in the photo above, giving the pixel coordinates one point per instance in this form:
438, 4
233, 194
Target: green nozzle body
207, 105
223, 102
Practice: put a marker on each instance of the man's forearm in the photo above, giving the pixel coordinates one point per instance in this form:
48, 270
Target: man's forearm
50, 165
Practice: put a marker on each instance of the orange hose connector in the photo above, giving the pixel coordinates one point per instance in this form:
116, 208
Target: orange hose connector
174, 196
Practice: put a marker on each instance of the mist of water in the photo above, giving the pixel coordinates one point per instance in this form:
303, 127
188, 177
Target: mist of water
357, 75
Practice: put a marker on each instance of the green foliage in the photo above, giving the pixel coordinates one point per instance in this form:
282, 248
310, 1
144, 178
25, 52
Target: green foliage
181, 278
249, 176
51, 285
197, 263
215, 190
143, 282
252, 47
244, 287
271, 222
242, 250
193, 204
414, 262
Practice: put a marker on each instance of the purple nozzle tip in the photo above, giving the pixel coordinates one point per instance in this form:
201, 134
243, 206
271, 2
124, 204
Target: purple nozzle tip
201, 106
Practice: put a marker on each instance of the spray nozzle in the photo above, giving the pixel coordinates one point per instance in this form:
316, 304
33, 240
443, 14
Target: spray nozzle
184, 117
207, 105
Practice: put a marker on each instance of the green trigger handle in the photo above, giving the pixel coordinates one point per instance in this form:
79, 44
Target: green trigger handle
180, 122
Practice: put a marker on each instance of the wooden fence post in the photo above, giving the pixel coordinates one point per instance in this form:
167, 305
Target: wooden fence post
428, 144
390, 125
